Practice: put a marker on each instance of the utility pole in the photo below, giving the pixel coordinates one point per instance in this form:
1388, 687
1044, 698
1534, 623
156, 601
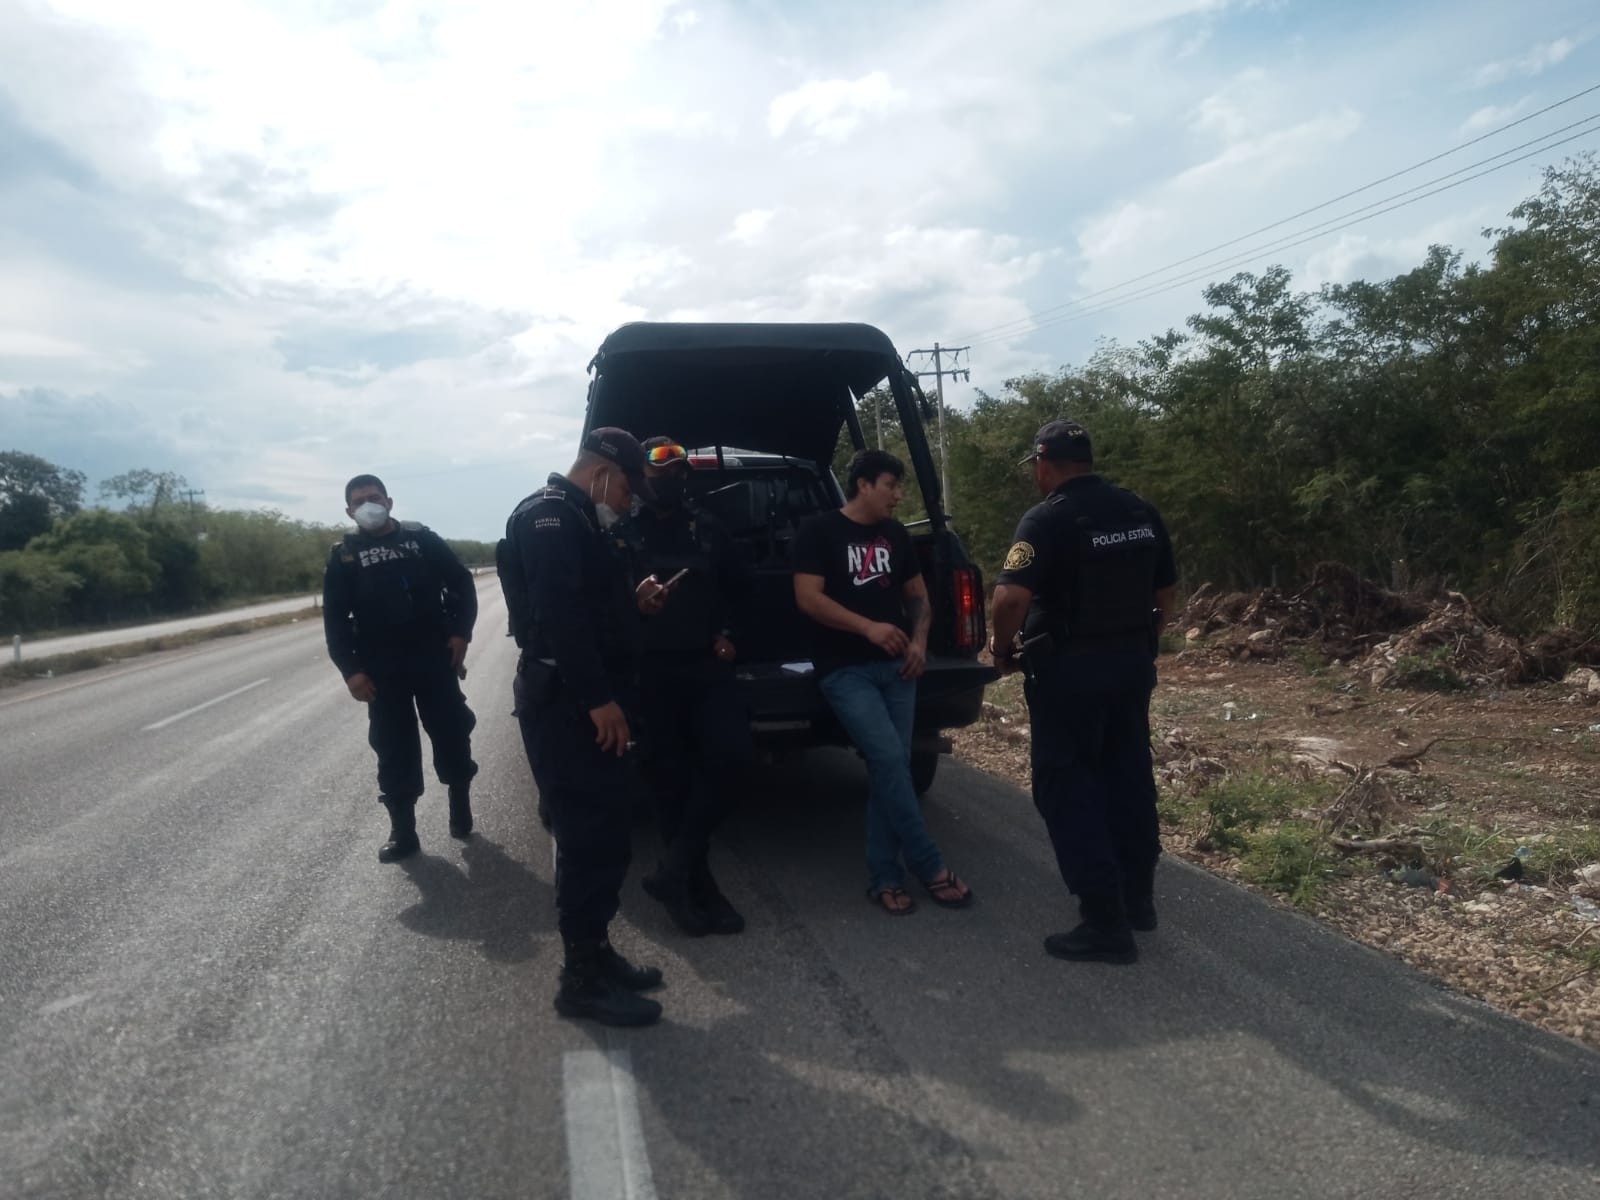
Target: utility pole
189, 494
955, 371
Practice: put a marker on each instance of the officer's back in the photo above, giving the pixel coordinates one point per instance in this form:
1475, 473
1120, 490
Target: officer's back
1095, 553
575, 614
1088, 581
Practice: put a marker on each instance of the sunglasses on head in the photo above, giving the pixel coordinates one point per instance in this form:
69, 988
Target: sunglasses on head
661, 455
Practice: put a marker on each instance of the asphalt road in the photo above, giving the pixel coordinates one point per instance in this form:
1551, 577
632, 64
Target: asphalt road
209, 987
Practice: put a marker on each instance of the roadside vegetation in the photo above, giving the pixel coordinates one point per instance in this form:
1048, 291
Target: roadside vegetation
148, 551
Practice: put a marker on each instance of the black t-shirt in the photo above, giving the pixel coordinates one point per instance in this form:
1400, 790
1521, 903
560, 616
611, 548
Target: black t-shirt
1093, 555
864, 568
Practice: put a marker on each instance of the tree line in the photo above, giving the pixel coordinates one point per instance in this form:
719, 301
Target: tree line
1437, 429
156, 553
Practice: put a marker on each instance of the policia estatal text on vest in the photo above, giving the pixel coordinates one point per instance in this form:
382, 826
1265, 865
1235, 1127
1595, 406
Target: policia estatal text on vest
1087, 585
397, 610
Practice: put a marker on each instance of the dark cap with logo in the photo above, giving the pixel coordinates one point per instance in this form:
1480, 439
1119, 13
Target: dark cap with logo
621, 447
1061, 441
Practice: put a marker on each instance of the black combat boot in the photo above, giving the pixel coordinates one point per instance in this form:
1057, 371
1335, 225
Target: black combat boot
402, 841
623, 973
1139, 894
589, 990
670, 885
1104, 935
460, 810
720, 916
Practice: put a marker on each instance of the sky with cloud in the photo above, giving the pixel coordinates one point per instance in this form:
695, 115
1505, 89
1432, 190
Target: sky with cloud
269, 243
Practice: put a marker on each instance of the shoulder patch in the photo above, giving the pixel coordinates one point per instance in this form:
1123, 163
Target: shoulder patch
1021, 555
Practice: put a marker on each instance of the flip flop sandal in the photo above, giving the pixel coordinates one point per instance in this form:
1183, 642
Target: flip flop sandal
949, 892
878, 896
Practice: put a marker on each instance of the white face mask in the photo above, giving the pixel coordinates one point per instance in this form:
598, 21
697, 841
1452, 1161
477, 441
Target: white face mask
371, 516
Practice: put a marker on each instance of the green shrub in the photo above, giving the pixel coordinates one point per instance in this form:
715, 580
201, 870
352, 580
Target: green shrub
1293, 859
1238, 804
1430, 672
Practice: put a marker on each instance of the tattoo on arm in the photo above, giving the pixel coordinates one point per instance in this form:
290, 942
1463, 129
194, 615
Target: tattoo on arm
920, 614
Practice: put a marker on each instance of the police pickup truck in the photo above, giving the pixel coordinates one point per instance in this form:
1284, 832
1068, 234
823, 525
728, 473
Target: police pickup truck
764, 406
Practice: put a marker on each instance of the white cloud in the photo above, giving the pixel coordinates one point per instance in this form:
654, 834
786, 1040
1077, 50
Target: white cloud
1118, 229
1276, 150
1535, 62
1235, 110
833, 109
748, 227
1492, 115
21, 343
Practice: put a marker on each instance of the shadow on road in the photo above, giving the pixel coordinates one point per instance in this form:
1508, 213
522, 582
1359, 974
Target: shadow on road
497, 901
1242, 1022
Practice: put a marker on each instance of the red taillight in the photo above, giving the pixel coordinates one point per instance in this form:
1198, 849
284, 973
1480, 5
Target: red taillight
969, 609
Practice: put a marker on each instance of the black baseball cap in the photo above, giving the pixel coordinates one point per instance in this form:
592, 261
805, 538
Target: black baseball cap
1061, 441
621, 447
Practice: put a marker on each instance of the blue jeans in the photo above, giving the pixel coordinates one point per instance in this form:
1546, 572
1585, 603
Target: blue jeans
876, 708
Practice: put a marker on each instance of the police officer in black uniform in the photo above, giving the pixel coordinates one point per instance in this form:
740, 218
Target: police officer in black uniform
575, 615
696, 750
397, 610
1088, 583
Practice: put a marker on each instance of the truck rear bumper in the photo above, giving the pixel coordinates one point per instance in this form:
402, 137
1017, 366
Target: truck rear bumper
787, 708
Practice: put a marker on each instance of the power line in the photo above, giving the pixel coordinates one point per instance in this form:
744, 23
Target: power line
1023, 321
1253, 255
1262, 252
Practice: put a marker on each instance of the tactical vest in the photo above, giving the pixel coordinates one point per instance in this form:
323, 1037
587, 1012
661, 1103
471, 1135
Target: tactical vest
508, 563
400, 590
1112, 589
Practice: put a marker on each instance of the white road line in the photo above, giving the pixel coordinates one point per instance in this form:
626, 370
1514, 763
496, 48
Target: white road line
49, 1010
101, 675
189, 712
606, 1158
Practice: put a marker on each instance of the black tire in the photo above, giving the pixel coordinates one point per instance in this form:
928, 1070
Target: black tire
924, 765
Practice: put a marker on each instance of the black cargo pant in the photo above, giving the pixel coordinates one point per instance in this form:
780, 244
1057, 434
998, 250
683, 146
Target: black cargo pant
1092, 775
697, 751
412, 684
587, 795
